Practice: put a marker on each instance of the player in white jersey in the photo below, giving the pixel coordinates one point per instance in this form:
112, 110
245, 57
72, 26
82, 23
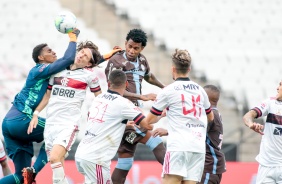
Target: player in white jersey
107, 119
67, 91
187, 110
4, 161
269, 157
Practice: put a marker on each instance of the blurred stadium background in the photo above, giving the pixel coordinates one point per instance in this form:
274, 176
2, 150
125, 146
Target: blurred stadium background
235, 45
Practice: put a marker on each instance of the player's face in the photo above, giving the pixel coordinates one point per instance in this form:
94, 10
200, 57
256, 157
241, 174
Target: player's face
279, 92
83, 58
132, 49
47, 55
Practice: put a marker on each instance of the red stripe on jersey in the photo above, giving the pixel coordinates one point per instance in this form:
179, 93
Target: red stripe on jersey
138, 118
208, 110
258, 111
68, 82
72, 137
94, 90
49, 87
99, 174
156, 111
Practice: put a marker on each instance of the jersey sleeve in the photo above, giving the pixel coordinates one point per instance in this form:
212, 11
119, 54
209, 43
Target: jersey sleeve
51, 82
131, 112
262, 109
207, 104
160, 103
93, 83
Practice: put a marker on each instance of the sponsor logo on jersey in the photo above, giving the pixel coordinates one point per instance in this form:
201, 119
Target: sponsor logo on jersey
277, 131
109, 97
63, 92
90, 134
191, 87
189, 125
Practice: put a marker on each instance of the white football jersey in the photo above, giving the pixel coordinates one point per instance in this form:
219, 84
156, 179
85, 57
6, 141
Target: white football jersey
271, 142
187, 104
67, 95
106, 123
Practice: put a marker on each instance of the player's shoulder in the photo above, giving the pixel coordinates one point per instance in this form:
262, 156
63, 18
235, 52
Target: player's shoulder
118, 56
142, 58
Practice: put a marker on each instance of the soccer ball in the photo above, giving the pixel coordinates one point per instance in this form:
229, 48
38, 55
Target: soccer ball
65, 22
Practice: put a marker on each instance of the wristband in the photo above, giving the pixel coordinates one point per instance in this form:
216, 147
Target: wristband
36, 112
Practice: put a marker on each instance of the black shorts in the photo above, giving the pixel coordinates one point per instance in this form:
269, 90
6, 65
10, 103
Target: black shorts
130, 139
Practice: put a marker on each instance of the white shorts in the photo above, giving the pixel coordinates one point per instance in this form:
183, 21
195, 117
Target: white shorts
269, 175
189, 165
2, 152
93, 173
59, 134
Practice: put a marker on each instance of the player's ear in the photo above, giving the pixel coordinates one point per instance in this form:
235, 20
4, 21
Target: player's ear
126, 83
40, 57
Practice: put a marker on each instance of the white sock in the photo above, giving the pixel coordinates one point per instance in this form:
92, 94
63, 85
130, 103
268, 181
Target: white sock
58, 173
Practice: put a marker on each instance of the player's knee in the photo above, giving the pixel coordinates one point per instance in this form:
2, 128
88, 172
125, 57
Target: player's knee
124, 163
153, 142
54, 159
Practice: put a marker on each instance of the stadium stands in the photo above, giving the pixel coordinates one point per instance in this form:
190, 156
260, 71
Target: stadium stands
236, 43
25, 24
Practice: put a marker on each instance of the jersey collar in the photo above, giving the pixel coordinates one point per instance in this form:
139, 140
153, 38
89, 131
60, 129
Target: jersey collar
113, 92
182, 79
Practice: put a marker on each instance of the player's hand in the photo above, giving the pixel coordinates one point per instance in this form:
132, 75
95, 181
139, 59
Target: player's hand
73, 35
160, 132
257, 128
130, 124
147, 97
112, 52
33, 123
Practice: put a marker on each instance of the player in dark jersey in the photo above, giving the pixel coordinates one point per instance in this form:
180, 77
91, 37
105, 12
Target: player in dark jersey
19, 144
16, 123
137, 68
214, 159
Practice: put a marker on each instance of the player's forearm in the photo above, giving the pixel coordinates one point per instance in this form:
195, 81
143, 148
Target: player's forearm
248, 118
154, 81
132, 96
43, 102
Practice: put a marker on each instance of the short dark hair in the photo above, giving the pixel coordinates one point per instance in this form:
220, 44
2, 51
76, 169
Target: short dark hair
138, 36
94, 50
117, 78
181, 60
212, 87
37, 51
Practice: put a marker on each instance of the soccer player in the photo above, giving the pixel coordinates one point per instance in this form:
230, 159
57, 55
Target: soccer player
187, 110
269, 157
18, 143
107, 120
65, 95
3, 161
215, 160
137, 68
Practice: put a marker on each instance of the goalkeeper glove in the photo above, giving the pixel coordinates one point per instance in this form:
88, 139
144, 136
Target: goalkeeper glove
73, 35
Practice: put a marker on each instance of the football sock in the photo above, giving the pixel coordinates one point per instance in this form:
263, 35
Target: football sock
58, 173
41, 160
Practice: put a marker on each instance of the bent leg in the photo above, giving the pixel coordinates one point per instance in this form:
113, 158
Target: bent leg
156, 145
